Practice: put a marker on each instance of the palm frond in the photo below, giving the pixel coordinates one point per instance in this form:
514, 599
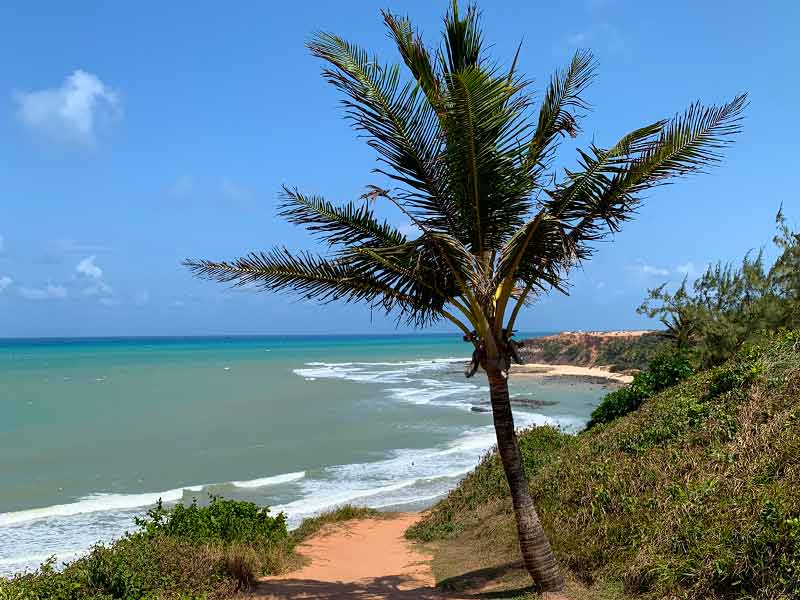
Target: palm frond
539, 249
464, 266
416, 57
484, 121
400, 125
561, 106
463, 40
687, 144
315, 278
608, 190
350, 224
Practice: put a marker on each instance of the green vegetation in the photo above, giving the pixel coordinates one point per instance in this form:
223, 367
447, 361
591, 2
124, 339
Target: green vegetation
692, 496
347, 512
225, 521
728, 307
212, 551
466, 151
632, 353
665, 370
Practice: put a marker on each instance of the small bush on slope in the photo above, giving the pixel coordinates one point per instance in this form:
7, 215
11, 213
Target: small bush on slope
692, 496
347, 512
666, 369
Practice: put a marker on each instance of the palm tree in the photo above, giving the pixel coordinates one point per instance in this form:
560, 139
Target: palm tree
468, 157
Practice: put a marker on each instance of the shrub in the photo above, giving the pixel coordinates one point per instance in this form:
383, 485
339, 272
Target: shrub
665, 370
220, 521
179, 552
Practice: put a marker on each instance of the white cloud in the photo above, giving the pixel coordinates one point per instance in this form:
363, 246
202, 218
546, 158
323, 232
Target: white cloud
71, 112
689, 269
88, 268
5, 282
50, 292
177, 303
142, 297
182, 187
651, 270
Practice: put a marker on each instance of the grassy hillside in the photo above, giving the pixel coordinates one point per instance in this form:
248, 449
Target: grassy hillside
695, 495
618, 350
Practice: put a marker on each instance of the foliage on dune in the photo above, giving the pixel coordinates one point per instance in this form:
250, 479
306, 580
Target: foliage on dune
692, 496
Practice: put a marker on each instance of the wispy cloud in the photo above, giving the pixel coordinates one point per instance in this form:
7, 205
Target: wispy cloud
141, 297
98, 289
651, 270
49, 292
688, 269
88, 268
70, 246
182, 187
5, 282
109, 302
598, 36
71, 112
234, 192
2, 243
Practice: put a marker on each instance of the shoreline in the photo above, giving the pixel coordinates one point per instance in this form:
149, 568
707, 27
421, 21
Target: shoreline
598, 374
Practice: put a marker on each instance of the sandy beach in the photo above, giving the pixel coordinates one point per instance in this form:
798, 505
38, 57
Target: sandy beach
591, 374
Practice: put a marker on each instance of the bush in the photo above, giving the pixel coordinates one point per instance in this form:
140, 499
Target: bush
665, 370
220, 521
179, 552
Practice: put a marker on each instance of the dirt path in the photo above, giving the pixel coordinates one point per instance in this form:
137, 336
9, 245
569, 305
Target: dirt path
360, 560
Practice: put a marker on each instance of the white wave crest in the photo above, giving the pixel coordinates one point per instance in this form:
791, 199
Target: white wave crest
104, 502
274, 480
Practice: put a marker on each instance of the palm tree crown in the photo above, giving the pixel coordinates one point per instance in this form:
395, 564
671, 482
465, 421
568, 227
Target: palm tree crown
470, 158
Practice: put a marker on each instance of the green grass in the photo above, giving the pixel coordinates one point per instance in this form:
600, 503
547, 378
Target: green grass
694, 495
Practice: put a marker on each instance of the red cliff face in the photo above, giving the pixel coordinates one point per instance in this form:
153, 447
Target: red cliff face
620, 349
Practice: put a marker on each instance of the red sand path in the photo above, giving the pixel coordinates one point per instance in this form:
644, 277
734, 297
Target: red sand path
361, 560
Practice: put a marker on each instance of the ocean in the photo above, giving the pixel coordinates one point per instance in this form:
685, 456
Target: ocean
94, 431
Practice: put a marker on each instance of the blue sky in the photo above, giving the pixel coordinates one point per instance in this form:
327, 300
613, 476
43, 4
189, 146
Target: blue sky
137, 134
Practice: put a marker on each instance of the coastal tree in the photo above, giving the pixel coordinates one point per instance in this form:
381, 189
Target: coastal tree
730, 305
466, 156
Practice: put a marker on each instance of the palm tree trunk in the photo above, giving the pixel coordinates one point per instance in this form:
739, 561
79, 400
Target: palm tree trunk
533, 544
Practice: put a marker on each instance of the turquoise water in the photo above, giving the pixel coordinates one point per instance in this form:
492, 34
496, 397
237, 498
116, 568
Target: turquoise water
94, 431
